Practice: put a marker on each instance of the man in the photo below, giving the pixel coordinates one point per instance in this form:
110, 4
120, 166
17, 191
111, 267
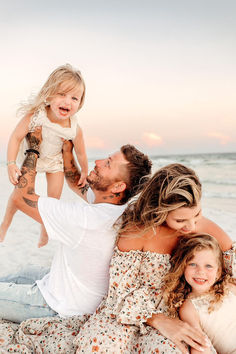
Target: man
78, 278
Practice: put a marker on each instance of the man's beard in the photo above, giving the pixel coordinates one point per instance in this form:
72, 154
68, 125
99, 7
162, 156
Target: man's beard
98, 184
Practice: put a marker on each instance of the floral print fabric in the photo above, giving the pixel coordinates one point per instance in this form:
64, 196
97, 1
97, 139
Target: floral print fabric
118, 326
40, 335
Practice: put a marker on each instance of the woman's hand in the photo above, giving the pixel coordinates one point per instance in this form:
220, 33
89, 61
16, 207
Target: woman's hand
13, 173
178, 332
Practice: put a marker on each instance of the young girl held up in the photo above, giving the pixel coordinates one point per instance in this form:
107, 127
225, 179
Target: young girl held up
202, 293
54, 109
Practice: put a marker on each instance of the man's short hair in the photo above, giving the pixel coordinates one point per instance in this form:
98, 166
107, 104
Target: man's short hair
139, 168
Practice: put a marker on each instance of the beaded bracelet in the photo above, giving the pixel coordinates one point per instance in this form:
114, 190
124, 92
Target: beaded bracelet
33, 150
11, 163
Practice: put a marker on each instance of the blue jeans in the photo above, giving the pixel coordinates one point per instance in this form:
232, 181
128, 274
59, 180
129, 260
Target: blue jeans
20, 297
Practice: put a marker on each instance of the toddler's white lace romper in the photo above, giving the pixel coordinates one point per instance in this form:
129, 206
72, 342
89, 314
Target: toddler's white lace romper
50, 159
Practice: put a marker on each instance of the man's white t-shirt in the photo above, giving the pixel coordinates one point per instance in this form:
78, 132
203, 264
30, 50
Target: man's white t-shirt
79, 274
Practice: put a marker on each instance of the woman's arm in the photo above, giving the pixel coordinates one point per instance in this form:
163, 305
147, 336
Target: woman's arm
188, 314
207, 226
81, 155
178, 332
16, 137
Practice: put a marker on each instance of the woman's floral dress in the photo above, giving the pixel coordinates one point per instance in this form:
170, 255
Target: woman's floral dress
118, 326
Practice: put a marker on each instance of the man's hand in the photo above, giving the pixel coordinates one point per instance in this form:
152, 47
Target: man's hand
34, 138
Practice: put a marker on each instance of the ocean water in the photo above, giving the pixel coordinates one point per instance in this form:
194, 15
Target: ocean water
217, 173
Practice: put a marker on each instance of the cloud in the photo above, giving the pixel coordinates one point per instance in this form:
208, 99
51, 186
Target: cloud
223, 139
93, 142
152, 139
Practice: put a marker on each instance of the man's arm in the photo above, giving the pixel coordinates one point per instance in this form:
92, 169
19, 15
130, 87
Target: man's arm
23, 196
72, 172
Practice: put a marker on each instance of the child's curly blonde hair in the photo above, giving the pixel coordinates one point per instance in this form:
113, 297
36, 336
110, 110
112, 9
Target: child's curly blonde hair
176, 288
64, 74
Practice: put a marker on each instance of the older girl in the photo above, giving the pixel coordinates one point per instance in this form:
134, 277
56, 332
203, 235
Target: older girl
133, 317
198, 287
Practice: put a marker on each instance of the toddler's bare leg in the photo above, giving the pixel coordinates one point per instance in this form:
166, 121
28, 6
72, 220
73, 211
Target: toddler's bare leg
10, 212
55, 183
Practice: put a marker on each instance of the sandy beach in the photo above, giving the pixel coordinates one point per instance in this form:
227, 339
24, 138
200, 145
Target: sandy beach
20, 245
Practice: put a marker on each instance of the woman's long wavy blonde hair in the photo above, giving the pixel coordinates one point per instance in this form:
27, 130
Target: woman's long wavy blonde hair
170, 188
176, 289
64, 74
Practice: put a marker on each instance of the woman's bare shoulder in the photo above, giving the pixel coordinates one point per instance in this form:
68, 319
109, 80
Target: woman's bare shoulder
207, 226
131, 242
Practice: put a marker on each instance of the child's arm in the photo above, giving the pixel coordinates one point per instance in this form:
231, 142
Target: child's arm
16, 137
187, 313
80, 151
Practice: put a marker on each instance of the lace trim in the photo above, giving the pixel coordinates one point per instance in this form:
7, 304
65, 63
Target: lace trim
37, 119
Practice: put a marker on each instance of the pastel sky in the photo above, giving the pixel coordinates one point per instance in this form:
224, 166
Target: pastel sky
159, 74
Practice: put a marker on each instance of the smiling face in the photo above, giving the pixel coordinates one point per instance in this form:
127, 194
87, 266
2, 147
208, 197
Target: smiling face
184, 219
108, 171
202, 271
65, 103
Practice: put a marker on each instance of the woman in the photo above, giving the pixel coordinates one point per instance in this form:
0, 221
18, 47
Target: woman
133, 318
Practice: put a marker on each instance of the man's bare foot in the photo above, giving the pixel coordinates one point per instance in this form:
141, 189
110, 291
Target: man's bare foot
3, 231
43, 240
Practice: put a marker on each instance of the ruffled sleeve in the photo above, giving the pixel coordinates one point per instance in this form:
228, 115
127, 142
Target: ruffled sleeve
135, 286
230, 260
138, 307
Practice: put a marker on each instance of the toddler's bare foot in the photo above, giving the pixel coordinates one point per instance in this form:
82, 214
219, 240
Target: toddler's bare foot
3, 231
43, 240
